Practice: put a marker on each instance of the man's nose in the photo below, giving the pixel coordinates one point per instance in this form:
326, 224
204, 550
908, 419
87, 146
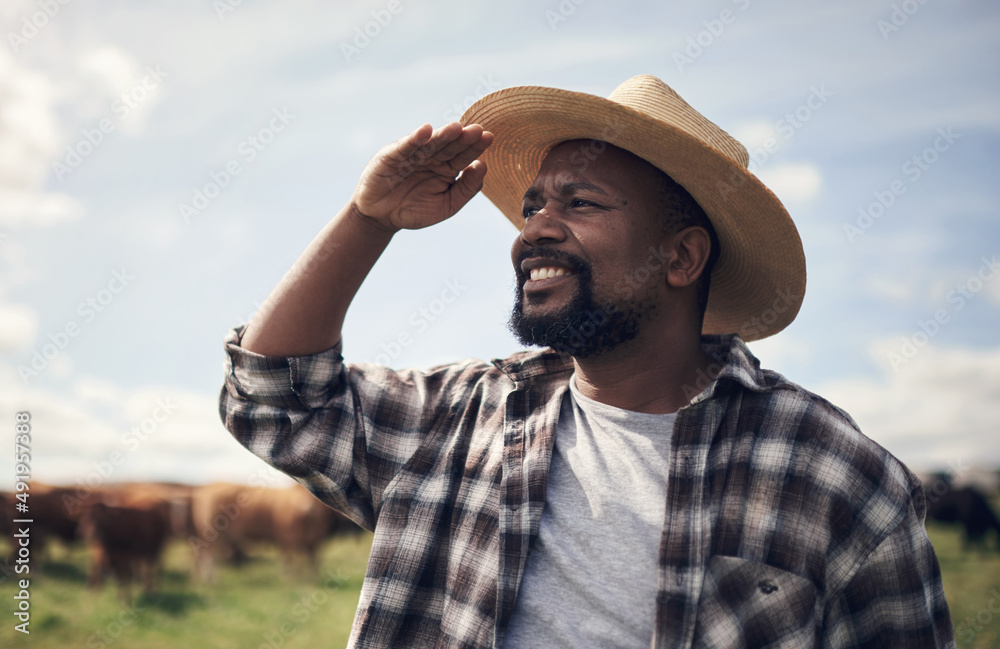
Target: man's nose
544, 226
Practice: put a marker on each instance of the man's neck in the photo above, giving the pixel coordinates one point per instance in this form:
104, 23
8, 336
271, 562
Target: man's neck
647, 374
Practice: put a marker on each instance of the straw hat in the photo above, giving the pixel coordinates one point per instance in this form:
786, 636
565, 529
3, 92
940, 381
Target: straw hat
760, 277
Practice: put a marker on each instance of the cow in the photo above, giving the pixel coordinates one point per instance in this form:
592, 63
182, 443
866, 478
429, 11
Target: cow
102, 516
968, 507
178, 495
54, 511
52, 517
126, 532
229, 517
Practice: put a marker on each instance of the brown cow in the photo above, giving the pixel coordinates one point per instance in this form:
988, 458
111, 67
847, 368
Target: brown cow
55, 512
228, 517
177, 494
126, 532
53, 517
60, 512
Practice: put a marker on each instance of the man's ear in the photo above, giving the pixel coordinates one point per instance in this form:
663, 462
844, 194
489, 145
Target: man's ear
688, 253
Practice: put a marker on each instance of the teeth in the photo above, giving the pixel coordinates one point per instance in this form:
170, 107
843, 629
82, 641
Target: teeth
545, 273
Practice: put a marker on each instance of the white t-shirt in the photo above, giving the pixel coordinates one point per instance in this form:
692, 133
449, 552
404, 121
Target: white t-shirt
591, 577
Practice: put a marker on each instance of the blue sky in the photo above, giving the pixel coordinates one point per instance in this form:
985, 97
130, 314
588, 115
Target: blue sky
112, 117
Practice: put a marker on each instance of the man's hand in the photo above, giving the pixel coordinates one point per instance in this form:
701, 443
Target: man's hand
411, 183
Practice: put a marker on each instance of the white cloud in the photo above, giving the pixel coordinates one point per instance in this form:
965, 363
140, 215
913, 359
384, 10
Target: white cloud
15, 255
940, 408
792, 183
97, 391
98, 431
29, 141
110, 86
18, 327
752, 135
21, 207
32, 137
115, 67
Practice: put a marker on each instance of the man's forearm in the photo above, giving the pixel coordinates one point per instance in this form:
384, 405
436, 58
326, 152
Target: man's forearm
305, 312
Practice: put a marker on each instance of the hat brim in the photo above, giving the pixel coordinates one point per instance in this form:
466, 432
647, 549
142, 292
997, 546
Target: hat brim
759, 280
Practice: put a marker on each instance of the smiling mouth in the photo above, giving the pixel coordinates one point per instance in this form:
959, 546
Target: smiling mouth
548, 272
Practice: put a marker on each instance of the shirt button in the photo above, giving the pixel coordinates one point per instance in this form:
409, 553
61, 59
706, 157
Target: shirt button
767, 586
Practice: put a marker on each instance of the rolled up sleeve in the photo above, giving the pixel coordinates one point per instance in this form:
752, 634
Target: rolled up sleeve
312, 418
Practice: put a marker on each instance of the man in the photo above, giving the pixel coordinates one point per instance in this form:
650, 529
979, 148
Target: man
641, 483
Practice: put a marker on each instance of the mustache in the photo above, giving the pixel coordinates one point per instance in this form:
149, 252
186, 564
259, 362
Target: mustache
576, 264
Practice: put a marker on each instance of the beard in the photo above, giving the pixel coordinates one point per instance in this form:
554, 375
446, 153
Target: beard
583, 328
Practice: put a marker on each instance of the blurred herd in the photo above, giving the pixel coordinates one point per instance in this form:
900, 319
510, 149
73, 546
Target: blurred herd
125, 527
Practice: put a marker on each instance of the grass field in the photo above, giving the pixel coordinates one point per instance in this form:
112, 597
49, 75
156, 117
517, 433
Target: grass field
257, 607
254, 606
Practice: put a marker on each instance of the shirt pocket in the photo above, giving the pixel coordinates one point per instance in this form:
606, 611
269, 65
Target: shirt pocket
747, 604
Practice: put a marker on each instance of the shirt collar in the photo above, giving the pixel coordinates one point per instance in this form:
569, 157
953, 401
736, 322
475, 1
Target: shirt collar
734, 362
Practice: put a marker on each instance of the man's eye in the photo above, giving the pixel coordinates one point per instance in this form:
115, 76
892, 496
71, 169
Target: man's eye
528, 210
579, 202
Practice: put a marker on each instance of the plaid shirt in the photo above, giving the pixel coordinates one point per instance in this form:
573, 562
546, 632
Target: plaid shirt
785, 526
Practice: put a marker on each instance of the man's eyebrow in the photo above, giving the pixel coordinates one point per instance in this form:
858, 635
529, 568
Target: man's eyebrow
564, 189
